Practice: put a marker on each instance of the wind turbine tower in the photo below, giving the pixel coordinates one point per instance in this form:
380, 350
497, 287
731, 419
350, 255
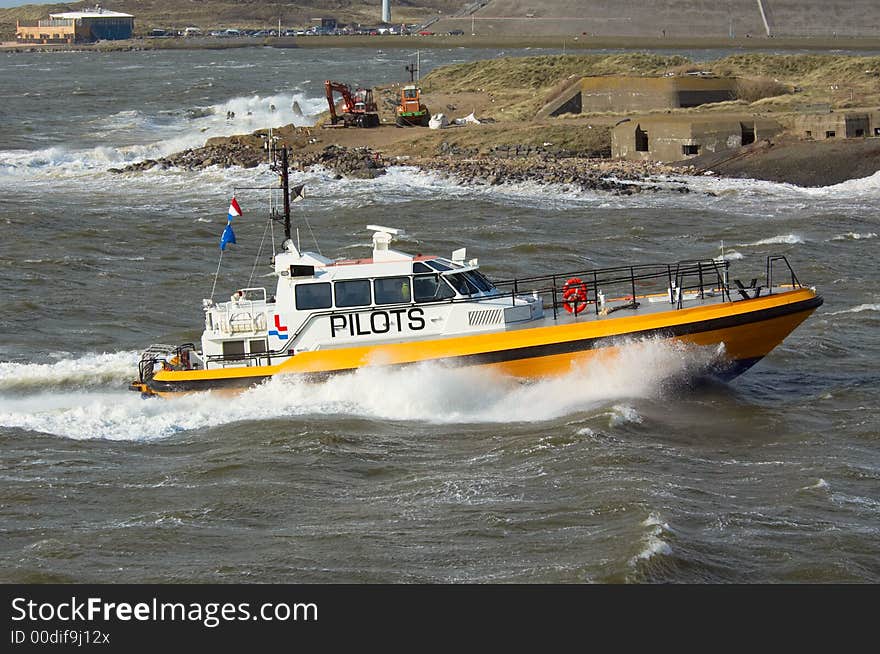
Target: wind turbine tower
386, 11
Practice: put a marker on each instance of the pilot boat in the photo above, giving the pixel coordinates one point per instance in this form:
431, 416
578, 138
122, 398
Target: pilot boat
325, 317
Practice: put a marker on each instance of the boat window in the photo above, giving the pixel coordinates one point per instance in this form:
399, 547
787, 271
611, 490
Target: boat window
354, 293
485, 279
478, 280
313, 296
233, 348
391, 290
419, 267
461, 284
438, 265
431, 288
257, 347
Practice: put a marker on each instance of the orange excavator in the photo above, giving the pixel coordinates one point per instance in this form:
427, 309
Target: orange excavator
359, 108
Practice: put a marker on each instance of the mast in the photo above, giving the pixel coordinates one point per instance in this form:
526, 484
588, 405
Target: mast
285, 189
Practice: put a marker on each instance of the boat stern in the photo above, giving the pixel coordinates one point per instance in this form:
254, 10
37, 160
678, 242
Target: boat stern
159, 357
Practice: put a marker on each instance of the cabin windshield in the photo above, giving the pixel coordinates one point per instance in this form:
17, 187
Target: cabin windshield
480, 280
463, 283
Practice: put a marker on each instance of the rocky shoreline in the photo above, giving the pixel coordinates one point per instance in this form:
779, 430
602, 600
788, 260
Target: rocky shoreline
509, 165
584, 174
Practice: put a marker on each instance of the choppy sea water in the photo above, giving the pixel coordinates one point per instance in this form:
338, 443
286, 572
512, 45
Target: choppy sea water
638, 473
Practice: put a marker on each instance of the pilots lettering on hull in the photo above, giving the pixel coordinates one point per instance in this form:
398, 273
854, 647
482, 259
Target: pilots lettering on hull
377, 322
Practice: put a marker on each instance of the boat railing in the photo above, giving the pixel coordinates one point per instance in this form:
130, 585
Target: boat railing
626, 283
164, 355
246, 312
679, 282
247, 360
774, 258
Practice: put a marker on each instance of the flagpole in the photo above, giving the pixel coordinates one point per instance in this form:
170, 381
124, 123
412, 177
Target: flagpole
216, 274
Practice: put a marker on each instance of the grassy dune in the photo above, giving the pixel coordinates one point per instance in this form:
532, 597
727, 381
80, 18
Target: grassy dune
780, 83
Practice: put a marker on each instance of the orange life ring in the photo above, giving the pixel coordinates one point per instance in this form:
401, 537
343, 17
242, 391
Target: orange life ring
574, 296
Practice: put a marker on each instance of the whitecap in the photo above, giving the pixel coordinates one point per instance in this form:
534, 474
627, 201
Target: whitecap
819, 485
653, 543
789, 239
86, 370
161, 137
858, 309
854, 236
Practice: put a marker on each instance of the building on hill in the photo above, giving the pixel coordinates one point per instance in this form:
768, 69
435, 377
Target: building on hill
76, 27
838, 124
618, 93
679, 137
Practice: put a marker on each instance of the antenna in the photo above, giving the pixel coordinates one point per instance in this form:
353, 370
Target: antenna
281, 169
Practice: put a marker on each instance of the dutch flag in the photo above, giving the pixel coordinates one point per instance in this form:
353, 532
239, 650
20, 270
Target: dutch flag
234, 209
228, 235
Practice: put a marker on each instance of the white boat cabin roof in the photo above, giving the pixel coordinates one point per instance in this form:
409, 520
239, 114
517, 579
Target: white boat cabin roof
385, 262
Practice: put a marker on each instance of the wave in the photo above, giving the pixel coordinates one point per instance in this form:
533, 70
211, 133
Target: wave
134, 135
790, 239
819, 485
853, 189
858, 309
73, 402
854, 236
653, 542
84, 371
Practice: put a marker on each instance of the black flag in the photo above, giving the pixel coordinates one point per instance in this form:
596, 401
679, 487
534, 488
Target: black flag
297, 193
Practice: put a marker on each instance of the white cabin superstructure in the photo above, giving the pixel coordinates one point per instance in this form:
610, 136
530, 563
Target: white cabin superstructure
392, 297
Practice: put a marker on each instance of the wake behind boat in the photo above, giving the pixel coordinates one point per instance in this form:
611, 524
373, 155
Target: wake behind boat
328, 316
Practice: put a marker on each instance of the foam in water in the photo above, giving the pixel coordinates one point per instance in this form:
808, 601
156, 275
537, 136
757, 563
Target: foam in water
90, 370
854, 236
732, 255
654, 545
865, 187
789, 239
65, 403
819, 485
858, 309
622, 414
163, 135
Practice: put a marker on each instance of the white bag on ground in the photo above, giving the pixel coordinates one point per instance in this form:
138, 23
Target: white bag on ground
438, 121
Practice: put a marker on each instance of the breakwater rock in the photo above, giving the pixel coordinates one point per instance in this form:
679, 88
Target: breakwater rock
502, 165
356, 163
618, 177
248, 152
245, 152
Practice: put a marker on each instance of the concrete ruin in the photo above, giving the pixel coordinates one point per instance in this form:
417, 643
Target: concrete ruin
670, 138
837, 124
619, 93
